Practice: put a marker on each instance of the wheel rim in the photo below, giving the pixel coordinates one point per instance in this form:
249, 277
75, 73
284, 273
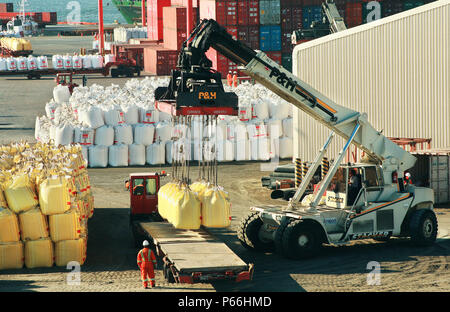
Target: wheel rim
427, 228
303, 241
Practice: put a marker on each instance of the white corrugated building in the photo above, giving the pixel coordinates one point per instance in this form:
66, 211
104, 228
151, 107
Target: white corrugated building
396, 69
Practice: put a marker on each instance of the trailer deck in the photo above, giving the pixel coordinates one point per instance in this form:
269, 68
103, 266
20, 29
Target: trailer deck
195, 255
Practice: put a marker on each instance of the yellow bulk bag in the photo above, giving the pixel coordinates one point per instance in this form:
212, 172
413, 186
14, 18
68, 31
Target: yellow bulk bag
39, 253
16, 44
163, 198
216, 209
9, 226
11, 256
186, 212
199, 188
70, 250
64, 226
33, 225
54, 196
19, 194
26, 44
91, 206
3, 203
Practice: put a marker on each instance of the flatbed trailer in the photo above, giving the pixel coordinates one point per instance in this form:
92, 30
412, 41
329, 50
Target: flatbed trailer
122, 69
5, 52
192, 256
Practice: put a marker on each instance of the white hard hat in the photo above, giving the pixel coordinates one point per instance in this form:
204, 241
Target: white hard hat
145, 243
408, 174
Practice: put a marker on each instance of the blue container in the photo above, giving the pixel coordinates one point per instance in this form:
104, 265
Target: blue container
311, 14
270, 38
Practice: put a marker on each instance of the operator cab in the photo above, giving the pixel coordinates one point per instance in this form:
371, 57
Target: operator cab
350, 181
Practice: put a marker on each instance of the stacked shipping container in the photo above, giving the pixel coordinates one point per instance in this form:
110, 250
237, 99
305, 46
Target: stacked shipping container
264, 25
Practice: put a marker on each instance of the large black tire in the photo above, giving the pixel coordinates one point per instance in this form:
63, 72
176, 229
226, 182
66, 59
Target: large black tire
300, 240
423, 227
248, 234
278, 239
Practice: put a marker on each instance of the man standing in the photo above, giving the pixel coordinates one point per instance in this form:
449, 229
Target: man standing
146, 261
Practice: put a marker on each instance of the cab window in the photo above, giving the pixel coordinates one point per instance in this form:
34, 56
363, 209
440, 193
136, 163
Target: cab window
138, 187
338, 182
151, 187
371, 178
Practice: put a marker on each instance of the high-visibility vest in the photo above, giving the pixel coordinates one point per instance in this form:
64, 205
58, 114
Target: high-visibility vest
146, 256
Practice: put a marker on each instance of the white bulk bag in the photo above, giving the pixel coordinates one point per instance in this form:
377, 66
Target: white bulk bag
22, 64
84, 136
286, 147
288, 127
148, 116
98, 156
263, 148
274, 128
97, 61
85, 153
196, 129
11, 64
156, 154
136, 155
123, 134
144, 134
63, 135
169, 156
164, 116
67, 60
50, 108
104, 136
61, 94
77, 62
118, 155
240, 131
279, 110
261, 109
58, 62
110, 58
225, 150
131, 114
163, 131
114, 117
87, 61
3, 65
92, 117
180, 131
42, 62
32, 63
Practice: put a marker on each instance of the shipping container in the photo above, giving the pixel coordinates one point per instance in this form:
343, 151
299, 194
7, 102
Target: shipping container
214, 9
49, 18
311, 14
353, 14
432, 170
6, 7
392, 7
392, 69
159, 60
270, 38
286, 61
155, 26
253, 12
184, 3
269, 12
275, 55
232, 13
297, 18
286, 41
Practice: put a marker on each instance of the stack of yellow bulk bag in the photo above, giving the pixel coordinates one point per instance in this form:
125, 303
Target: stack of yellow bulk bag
11, 255
33, 225
70, 250
65, 226
54, 196
19, 194
9, 227
185, 210
216, 208
39, 253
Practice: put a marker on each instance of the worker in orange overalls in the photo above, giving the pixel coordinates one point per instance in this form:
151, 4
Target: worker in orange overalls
146, 261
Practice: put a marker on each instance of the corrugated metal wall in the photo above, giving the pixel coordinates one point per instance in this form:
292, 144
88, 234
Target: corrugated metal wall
397, 70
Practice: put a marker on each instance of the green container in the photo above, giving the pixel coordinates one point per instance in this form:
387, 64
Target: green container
407, 5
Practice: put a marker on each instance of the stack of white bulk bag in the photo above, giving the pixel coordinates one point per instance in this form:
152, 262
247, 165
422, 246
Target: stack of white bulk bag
156, 153
104, 136
144, 134
118, 155
114, 116
136, 155
123, 134
131, 114
98, 156
163, 131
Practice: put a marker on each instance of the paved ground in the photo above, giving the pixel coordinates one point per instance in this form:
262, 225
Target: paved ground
111, 261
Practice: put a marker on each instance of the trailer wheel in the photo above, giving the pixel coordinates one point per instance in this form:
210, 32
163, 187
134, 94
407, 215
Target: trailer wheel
300, 240
423, 227
250, 234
